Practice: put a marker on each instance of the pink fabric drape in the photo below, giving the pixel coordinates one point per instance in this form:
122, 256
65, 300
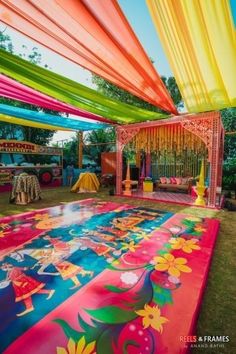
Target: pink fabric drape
12, 89
94, 34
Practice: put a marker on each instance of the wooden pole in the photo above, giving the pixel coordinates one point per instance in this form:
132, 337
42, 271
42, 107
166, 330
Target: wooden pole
80, 148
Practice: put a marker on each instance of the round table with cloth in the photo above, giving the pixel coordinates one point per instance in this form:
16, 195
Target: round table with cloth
25, 189
87, 182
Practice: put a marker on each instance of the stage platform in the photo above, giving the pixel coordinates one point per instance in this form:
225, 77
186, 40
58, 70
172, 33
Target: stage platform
169, 197
172, 197
101, 276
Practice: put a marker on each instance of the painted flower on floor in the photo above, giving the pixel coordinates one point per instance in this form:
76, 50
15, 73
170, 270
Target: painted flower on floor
143, 236
3, 234
186, 245
129, 278
175, 229
40, 217
152, 317
199, 228
174, 280
174, 266
79, 348
129, 246
4, 226
193, 219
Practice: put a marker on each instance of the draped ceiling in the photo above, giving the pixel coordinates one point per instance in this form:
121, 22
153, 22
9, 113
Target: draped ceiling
71, 92
198, 36
17, 115
94, 34
199, 39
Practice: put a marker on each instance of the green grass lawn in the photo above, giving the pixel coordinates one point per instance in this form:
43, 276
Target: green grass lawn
217, 314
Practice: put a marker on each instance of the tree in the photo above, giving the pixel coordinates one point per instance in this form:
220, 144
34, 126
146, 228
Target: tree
70, 151
97, 141
170, 84
112, 91
229, 121
5, 42
12, 131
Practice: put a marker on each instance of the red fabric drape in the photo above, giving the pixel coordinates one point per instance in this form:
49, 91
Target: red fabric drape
94, 34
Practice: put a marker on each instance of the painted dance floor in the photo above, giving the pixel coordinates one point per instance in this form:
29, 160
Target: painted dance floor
101, 277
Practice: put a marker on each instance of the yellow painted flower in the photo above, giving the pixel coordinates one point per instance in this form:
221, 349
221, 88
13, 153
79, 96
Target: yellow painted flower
129, 246
152, 317
40, 217
2, 234
186, 245
143, 236
199, 228
4, 226
79, 348
193, 218
116, 262
171, 264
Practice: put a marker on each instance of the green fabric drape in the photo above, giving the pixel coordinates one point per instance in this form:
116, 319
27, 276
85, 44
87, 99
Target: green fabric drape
71, 92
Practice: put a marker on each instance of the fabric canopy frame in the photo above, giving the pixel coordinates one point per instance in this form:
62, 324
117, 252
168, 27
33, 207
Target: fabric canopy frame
71, 92
95, 35
12, 89
199, 40
53, 122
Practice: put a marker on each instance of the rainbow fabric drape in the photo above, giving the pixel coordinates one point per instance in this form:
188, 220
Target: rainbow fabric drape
21, 116
71, 92
12, 89
199, 39
94, 34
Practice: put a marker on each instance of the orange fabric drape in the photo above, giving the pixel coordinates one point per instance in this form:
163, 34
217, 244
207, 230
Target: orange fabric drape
94, 34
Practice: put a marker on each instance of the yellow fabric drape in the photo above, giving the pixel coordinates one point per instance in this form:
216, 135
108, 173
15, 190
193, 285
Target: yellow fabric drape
200, 43
87, 182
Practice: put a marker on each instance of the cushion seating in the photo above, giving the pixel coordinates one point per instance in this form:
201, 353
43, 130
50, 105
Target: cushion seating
175, 187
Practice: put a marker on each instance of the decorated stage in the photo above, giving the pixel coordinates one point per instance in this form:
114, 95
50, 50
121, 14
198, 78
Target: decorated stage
102, 277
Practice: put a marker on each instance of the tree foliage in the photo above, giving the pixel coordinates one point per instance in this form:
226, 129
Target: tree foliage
97, 141
6, 43
112, 91
70, 151
229, 121
13, 131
